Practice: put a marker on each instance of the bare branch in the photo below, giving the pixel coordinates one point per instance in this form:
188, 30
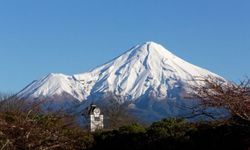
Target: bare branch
232, 96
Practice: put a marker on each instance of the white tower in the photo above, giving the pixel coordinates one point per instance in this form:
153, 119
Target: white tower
96, 119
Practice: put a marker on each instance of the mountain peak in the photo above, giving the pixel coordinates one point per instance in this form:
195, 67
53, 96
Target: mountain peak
151, 43
144, 68
153, 47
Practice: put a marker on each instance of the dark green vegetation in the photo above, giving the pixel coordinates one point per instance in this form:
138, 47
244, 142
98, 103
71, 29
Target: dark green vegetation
175, 134
32, 131
24, 126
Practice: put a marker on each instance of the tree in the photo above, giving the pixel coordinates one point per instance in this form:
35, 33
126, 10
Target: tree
232, 96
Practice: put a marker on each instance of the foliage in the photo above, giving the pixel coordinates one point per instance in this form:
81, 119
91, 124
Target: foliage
175, 134
30, 129
175, 128
133, 128
126, 137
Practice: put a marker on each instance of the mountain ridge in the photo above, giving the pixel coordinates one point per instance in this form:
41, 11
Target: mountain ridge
144, 72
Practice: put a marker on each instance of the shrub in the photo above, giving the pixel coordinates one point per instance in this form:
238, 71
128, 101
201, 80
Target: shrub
30, 129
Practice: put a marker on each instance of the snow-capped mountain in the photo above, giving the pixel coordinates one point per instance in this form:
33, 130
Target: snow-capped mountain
54, 84
145, 67
145, 71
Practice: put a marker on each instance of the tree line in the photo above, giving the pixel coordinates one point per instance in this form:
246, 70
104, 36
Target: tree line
25, 126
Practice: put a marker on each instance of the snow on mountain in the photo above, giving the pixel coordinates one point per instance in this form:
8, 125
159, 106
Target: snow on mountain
54, 84
145, 67
144, 76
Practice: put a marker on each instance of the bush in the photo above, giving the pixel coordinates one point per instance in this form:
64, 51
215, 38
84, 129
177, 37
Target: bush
126, 137
133, 128
170, 128
169, 134
30, 129
41, 132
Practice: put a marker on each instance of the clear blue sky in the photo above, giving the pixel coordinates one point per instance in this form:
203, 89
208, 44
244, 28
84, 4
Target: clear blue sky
74, 36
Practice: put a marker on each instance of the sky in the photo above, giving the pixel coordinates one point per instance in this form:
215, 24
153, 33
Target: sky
75, 36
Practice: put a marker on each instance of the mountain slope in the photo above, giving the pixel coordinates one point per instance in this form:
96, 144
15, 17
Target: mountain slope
148, 77
54, 85
144, 67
